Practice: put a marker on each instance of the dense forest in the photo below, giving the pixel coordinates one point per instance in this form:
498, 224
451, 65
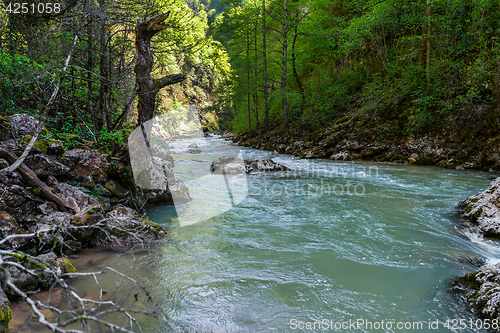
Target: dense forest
402, 66
98, 93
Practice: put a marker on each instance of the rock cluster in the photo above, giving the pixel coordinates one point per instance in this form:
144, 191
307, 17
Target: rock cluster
483, 291
102, 187
483, 286
483, 209
235, 166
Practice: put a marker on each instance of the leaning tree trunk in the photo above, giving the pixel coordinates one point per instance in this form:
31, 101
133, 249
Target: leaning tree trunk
147, 87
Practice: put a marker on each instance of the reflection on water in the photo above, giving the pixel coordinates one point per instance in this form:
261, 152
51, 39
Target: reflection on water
307, 255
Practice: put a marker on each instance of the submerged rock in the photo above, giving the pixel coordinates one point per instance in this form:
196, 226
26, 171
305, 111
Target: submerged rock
483, 209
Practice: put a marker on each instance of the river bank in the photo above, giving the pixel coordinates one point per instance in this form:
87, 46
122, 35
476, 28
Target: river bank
350, 139
482, 288
87, 200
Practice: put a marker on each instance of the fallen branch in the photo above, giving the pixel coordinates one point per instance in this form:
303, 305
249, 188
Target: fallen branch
104, 312
66, 204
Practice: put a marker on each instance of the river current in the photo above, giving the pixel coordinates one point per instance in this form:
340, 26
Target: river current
331, 243
381, 243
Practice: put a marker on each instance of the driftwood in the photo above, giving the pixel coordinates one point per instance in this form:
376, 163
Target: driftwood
66, 204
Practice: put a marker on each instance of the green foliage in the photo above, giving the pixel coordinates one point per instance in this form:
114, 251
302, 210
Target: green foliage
20, 81
372, 57
110, 140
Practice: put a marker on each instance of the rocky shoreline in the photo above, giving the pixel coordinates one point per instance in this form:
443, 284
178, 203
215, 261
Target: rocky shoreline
105, 207
482, 288
345, 141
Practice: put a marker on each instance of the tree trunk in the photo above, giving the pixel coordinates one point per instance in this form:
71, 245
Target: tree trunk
147, 87
248, 79
285, 49
103, 71
428, 47
495, 91
90, 65
294, 57
256, 100
264, 56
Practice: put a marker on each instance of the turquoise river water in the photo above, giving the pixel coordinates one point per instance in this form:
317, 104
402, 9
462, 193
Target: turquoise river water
382, 243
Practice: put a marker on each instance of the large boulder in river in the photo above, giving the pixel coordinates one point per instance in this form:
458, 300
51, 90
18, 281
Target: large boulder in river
267, 164
176, 192
483, 209
228, 165
235, 166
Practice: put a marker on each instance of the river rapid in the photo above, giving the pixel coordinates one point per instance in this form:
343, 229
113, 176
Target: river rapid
343, 245
333, 242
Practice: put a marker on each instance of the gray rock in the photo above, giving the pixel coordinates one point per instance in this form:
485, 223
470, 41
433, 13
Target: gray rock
483, 291
228, 165
51, 180
117, 189
22, 124
71, 192
175, 189
263, 165
342, 156
44, 166
47, 208
8, 227
13, 200
89, 166
121, 219
483, 209
194, 151
5, 312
